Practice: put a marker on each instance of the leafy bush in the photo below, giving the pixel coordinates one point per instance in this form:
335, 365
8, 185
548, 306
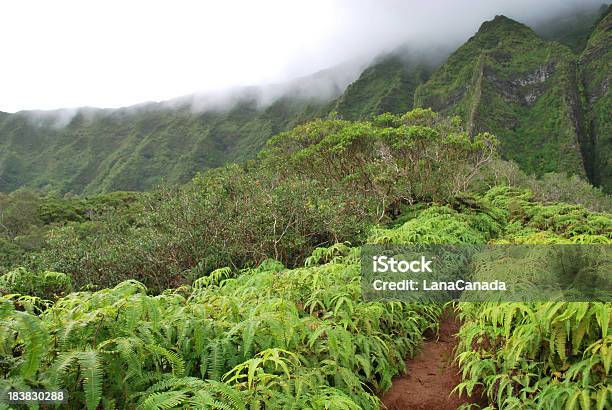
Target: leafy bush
570, 189
548, 355
418, 156
539, 355
323, 182
44, 284
271, 338
280, 338
26, 217
551, 187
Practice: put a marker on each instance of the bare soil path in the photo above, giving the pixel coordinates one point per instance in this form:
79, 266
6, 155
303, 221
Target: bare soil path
431, 375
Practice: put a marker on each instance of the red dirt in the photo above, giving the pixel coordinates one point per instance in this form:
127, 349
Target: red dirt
431, 375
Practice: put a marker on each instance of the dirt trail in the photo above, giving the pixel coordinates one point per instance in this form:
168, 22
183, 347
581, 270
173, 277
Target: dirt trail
431, 375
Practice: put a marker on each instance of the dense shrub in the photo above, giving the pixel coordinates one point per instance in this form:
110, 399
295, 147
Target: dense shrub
26, 216
539, 355
42, 285
268, 338
418, 156
321, 183
551, 187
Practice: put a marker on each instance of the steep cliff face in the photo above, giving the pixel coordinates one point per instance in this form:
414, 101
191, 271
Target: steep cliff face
595, 68
508, 81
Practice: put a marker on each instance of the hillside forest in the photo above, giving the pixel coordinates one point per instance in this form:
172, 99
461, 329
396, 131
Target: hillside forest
181, 260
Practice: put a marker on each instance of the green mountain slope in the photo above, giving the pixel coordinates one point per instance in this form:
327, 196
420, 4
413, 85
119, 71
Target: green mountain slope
137, 149
596, 66
388, 85
547, 104
508, 81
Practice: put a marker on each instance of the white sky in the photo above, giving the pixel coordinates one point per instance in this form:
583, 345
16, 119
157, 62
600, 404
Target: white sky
110, 53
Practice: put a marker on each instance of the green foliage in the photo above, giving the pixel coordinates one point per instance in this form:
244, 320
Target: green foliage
539, 355
442, 225
403, 159
281, 206
532, 222
551, 187
529, 93
189, 232
272, 337
300, 338
139, 148
26, 217
43, 284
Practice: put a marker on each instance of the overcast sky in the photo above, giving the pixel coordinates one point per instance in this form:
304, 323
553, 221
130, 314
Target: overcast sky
111, 53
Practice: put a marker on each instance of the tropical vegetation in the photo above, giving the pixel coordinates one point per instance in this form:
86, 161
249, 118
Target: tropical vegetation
242, 288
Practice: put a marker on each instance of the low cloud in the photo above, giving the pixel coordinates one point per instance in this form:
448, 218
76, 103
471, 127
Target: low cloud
333, 40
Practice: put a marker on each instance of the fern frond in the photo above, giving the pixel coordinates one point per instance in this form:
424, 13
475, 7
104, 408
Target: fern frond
91, 371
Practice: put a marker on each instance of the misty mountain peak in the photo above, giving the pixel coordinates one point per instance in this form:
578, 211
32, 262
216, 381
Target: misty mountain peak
505, 79
503, 26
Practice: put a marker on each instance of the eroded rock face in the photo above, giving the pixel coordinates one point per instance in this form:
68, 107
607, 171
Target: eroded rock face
538, 76
532, 85
524, 89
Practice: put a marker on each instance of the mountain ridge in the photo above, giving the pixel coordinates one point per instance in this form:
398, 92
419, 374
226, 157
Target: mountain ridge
508, 81
505, 79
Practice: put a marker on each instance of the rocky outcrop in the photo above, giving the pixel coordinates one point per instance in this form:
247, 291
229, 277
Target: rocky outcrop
525, 88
